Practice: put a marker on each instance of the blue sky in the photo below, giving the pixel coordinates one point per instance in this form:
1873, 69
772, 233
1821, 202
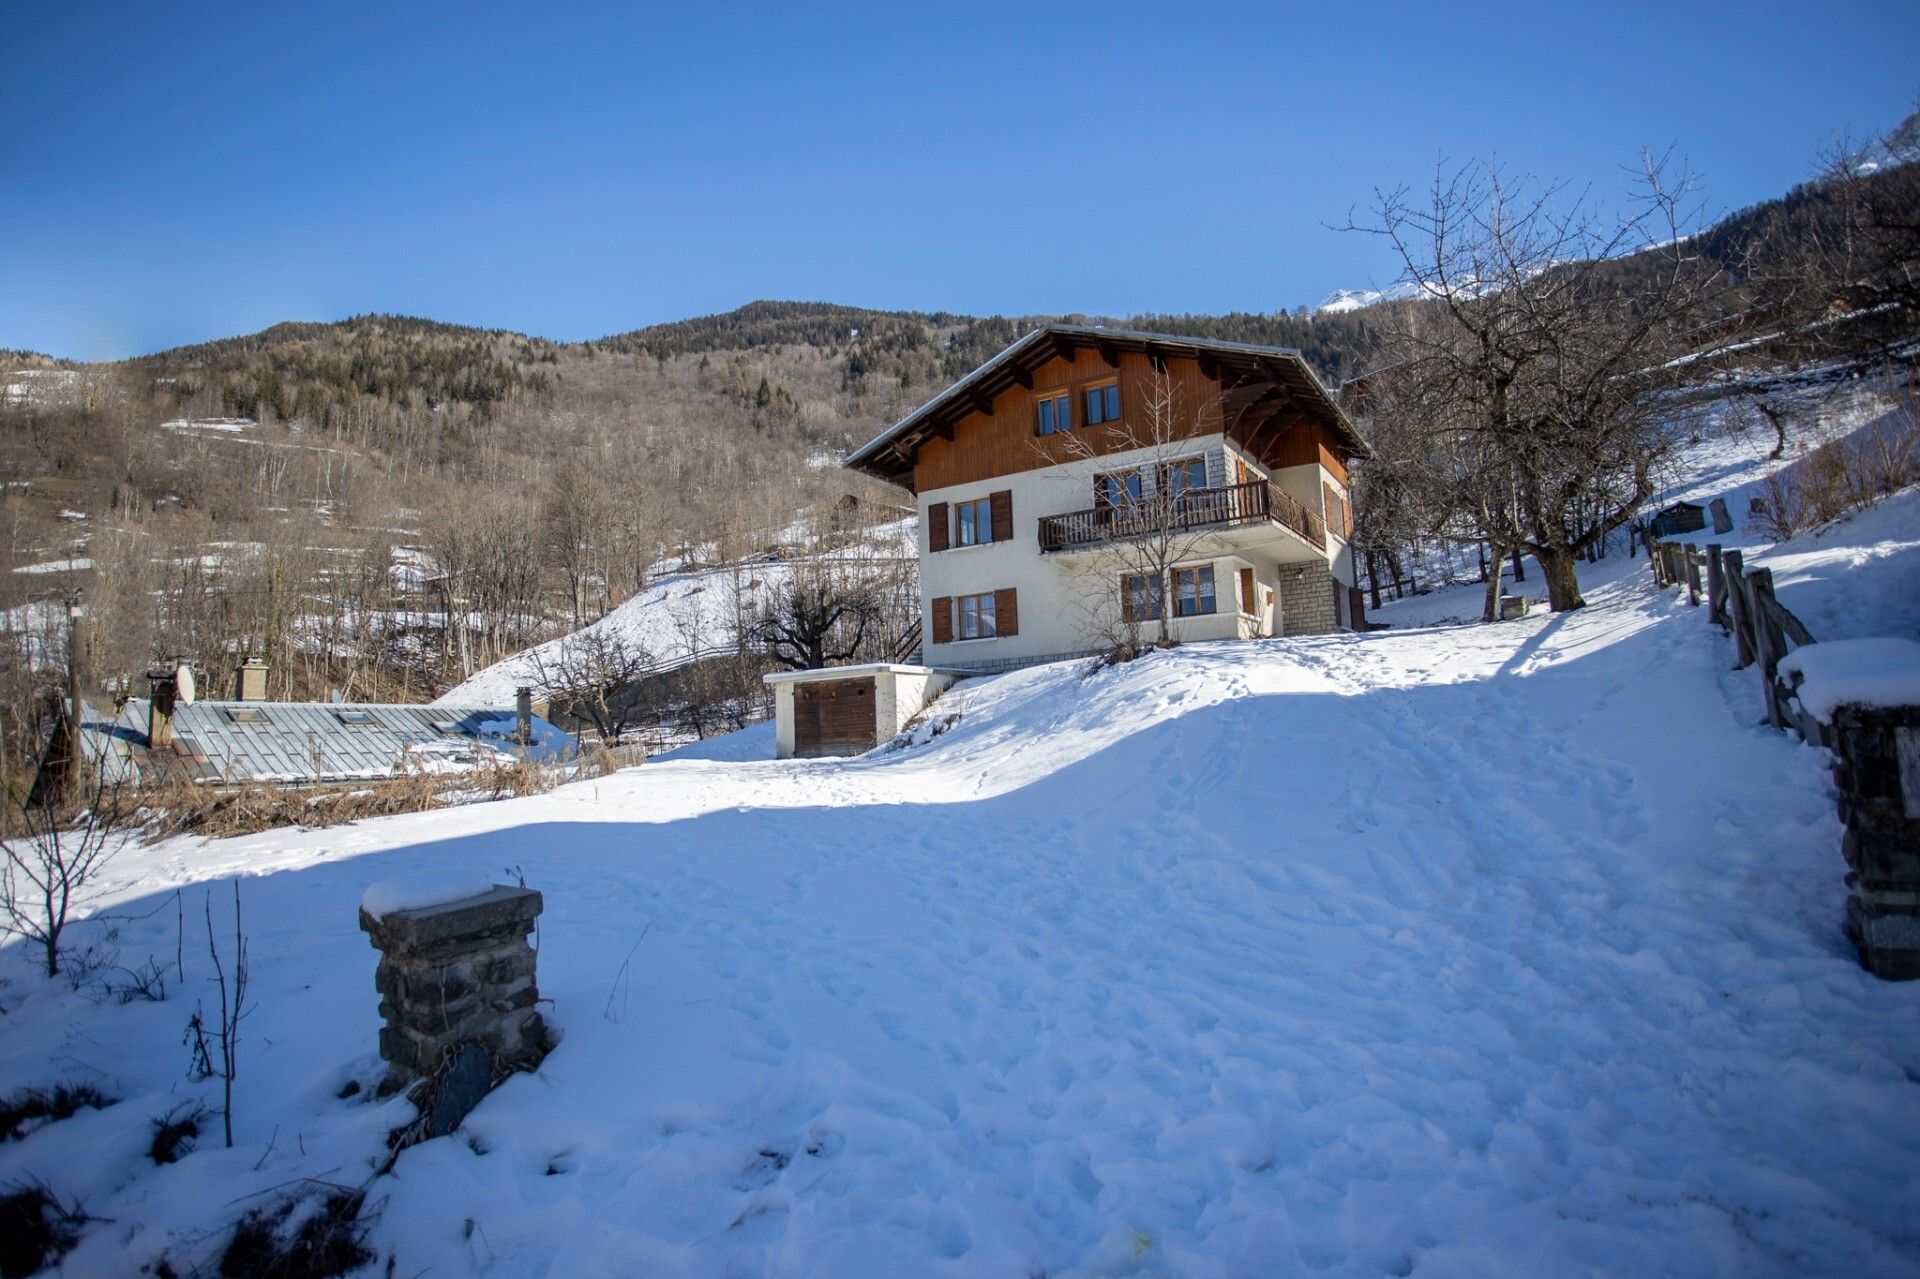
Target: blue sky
173, 173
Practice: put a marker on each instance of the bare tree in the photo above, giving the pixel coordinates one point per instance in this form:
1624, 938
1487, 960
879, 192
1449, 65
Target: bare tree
1153, 510
591, 675
842, 603
216, 1053
52, 862
1524, 396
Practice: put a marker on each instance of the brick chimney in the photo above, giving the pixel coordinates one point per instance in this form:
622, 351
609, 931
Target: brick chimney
160, 695
523, 714
251, 680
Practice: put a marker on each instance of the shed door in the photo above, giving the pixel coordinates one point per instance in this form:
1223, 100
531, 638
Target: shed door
833, 717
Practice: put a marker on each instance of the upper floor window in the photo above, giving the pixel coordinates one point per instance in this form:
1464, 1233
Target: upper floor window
976, 616
1193, 591
1103, 404
1056, 413
1119, 488
973, 522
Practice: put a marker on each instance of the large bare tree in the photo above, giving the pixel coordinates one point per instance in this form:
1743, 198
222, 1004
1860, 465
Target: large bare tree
1523, 395
1152, 510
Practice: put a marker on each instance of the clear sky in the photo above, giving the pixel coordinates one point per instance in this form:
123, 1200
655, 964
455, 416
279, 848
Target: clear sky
176, 172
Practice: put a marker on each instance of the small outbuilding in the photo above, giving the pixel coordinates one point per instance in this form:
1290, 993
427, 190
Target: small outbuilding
848, 710
1681, 517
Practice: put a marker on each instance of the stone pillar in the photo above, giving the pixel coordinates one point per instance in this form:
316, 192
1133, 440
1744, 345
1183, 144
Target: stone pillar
458, 977
1877, 770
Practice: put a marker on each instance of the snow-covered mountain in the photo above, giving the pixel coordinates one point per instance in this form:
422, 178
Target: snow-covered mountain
1341, 301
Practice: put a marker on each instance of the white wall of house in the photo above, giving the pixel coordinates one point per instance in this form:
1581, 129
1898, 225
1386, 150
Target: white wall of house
1063, 600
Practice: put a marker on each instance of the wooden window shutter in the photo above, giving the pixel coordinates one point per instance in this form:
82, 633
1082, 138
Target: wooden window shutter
937, 527
1329, 504
1001, 504
943, 619
1006, 611
1247, 604
1126, 600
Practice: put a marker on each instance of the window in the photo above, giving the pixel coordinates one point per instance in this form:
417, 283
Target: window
354, 717
1193, 591
247, 715
976, 616
1140, 597
1185, 476
1056, 414
973, 523
1121, 488
1103, 403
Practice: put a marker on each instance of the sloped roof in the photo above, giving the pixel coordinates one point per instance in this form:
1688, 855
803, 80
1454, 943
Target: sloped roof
313, 742
890, 454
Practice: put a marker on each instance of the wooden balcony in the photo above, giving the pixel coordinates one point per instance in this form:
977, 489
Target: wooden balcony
1229, 506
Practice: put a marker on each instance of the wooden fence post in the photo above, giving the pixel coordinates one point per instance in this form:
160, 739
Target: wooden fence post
1690, 554
1770, 641
1740, 605
1716, 587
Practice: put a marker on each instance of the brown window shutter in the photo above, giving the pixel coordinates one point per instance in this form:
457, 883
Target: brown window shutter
1001, 504
937, 527
943, 619
1006, 611
1247, 604
1328, 503
1126, 601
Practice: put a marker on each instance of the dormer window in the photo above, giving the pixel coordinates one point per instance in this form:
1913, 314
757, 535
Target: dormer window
1103, 404
1056, 414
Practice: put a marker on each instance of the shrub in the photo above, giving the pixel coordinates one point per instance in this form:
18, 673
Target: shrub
36, 1229
50, 1104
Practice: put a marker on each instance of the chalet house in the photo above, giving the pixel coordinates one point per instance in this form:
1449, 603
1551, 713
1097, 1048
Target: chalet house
248, 740
1042, 475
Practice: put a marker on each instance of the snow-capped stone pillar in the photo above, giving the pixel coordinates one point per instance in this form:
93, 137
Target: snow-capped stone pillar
456, 976
1877, 770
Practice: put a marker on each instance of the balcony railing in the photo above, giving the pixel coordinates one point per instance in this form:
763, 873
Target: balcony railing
1227, 506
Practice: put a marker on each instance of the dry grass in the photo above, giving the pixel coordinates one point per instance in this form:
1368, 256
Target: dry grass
186, 807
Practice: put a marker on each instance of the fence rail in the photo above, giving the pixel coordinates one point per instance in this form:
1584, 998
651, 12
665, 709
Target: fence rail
1742, 602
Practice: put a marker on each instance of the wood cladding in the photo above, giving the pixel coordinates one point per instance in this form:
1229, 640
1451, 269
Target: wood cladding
1007, 441
834, 717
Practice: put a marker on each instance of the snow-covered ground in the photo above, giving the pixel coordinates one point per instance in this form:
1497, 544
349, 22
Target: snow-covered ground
1505, 949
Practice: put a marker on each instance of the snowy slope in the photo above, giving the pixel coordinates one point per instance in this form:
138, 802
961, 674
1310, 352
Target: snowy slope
1509, 949
676, 619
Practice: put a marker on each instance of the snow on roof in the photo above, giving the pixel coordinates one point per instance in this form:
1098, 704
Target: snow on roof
1875, 673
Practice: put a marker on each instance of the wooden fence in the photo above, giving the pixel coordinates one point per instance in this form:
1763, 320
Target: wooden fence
1741, 601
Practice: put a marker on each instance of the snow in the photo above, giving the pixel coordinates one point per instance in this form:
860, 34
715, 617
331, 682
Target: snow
1860, 672
756, 741
1387, 953
214, 425
75, 565
414, 892
676, 619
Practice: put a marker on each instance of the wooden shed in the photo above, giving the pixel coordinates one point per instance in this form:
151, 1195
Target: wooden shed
848, 710
1681, 517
